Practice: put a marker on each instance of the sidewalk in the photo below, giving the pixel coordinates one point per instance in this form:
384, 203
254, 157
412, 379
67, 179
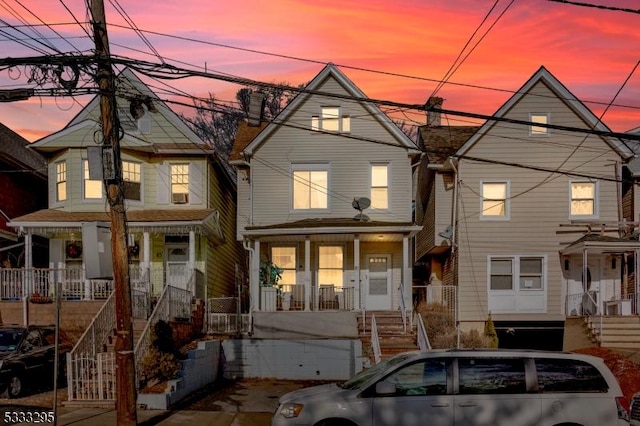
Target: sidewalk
245, 402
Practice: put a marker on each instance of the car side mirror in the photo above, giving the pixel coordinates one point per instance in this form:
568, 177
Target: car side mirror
385, 388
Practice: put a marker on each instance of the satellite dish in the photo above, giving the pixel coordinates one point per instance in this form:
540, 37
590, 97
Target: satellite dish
360, 204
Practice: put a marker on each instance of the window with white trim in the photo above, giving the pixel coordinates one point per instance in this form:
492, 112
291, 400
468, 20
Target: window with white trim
284, 257
541, 119
380, 186
516, 272
132, 176
310, 187
583, 199
179, 183
92, 188
331, 265
61, 181
495, 201
331, 119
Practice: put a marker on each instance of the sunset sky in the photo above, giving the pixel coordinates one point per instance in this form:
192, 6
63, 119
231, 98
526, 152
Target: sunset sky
393, 50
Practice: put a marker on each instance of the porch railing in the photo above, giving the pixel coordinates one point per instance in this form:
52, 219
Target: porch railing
423, 338
375, 341
224, 317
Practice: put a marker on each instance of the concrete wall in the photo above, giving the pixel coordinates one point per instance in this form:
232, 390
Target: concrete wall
319, 359
305, 325
198, 370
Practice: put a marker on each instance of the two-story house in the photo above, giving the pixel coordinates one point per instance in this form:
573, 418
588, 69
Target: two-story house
23, 189
325, 196
179, 199
523, 215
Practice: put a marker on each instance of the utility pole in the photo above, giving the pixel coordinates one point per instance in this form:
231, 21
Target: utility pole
125, 363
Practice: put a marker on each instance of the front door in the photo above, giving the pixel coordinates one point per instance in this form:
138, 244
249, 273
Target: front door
176, 266
378, 281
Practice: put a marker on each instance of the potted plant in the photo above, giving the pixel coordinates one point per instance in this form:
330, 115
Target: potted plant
270, 275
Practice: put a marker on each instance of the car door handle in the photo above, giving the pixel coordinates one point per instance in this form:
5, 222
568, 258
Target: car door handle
467, 404
439, 404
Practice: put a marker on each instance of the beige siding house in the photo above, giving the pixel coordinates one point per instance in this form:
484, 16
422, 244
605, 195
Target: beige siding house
325, 195
180, 201
536, 228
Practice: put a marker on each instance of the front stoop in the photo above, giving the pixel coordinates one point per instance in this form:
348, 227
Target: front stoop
616, 332
391, 334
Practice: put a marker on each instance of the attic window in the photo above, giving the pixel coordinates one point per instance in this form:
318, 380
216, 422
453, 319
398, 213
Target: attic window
538, 130
331, 119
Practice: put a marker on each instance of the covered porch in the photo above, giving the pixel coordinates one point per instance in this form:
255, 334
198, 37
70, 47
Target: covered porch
600, 277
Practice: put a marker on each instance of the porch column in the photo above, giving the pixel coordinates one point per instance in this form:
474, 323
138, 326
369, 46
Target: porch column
28, 263
192, 250
146, 258
307, 277
407, 282
356, 273
254, 277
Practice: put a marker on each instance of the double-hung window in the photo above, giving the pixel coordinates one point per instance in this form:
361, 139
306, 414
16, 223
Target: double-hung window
179, 183
132, 176
61, 181
583, 199
284, 257
380, 186
495, 200
331, 265
92, 187
310, 186
538, 118
331, 119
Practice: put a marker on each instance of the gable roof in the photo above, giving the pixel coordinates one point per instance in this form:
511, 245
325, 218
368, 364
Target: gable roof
244, 135
585, 114
440, 142
14, 151
332, 71
129, 86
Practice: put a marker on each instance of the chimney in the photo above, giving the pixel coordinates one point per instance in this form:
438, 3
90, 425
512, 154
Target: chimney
434, 105
256, 108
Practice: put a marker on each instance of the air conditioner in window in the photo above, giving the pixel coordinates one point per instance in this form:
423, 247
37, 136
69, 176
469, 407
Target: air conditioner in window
179, 198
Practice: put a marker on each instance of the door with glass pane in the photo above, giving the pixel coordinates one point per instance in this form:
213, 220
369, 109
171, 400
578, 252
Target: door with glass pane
378, 281
176, 265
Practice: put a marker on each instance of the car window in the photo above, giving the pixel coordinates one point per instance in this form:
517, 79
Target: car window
9, 339
33, 338
427, 377
48, 336
366, 374
491, 375
568, 375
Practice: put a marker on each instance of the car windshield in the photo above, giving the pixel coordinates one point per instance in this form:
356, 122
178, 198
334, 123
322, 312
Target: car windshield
9, 340
366, 374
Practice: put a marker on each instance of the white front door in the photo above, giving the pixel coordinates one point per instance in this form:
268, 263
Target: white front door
176, 265
378, 281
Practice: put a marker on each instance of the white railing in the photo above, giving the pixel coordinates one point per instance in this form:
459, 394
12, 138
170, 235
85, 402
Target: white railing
423, 338
403, 308
375, 341
582, 304
635, 302
223, 316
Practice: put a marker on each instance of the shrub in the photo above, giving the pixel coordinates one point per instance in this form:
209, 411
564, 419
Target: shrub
490, 333
162, 360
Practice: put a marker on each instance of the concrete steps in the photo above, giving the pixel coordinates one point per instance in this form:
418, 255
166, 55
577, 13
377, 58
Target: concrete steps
616, 332
138, 327
391, 334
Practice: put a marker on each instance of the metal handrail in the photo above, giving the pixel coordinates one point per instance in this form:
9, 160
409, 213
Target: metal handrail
375, 341
423, 338
403, 308
95, 334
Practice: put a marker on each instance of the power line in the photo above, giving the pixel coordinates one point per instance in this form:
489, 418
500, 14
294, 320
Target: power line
597, 6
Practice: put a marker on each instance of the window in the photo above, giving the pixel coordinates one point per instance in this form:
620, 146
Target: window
495, 203
61, 181
131, 174
330, 265
285, 259
528, 272
428, 377
310, 187
179, 183
538, 130
331, 120
92, 188
380, 186
491, 376
583, 199
567, 375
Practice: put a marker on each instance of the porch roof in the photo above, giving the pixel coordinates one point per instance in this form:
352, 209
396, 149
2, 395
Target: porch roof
600, 244
49, 221
333, 226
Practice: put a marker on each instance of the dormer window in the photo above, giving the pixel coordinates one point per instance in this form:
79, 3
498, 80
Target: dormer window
331, 119
538, 130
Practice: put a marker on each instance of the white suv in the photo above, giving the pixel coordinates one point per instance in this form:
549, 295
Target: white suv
465, 388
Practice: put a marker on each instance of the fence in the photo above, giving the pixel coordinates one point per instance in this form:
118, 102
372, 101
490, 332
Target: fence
223, 316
